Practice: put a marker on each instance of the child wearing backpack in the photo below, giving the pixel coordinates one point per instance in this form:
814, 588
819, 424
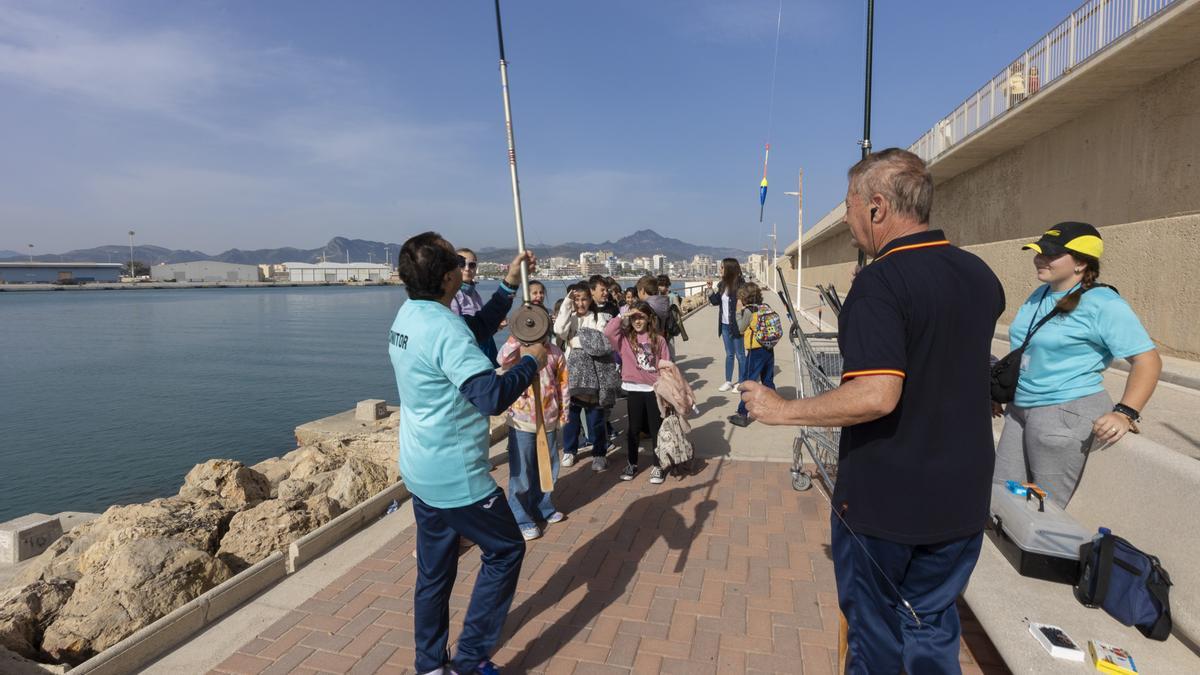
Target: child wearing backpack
761, 330
525, 497
636, 338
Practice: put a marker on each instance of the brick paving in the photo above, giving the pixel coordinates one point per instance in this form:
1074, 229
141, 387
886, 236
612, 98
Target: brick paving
723, 571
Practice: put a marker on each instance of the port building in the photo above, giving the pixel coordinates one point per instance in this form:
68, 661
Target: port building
327, 272
59, 273
205, 271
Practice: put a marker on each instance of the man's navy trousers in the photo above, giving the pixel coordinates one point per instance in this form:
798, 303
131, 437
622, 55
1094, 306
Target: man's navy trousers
883, 636
490, 524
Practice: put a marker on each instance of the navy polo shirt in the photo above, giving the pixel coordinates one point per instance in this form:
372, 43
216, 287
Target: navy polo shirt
924, 311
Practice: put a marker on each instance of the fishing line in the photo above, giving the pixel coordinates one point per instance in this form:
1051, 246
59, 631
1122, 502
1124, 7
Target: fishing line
762, 187
829, 498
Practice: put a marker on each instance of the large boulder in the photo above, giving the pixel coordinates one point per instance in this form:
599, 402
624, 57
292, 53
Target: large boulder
275, 470
198, 524
139, 582
293, 489
378, 447
26, 611
233, 484
271, 526
356, 481
311, 461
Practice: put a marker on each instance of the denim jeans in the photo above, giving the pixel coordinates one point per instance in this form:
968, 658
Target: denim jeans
760, 367
490, 524
525, 497
596, 423
734, 348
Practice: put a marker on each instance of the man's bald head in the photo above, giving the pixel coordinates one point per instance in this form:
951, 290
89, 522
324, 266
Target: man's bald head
900, 177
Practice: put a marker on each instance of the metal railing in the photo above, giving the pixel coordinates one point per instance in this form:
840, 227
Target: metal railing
1095, 25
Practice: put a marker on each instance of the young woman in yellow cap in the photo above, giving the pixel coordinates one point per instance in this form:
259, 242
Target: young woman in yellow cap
1061, 409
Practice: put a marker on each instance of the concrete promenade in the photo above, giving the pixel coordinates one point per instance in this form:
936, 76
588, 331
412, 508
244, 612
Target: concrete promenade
726, 570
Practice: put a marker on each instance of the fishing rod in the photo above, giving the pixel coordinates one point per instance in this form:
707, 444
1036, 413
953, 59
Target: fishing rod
529, 324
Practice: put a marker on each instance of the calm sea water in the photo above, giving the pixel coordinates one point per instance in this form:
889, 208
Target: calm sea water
110, 397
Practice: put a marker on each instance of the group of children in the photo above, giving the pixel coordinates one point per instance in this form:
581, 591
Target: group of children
600, 349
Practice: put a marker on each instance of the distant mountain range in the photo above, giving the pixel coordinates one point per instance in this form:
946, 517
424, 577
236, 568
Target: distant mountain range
339, 249
640, 243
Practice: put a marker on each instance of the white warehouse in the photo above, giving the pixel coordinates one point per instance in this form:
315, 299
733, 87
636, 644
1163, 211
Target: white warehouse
205, 271
326, 272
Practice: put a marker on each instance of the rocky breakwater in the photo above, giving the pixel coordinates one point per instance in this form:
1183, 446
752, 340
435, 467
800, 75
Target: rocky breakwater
107, 578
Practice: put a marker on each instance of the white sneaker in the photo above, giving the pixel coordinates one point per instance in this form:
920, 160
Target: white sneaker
728, 386
568, 459
599, 464
737, 388
656, 475
531, 533
556, 517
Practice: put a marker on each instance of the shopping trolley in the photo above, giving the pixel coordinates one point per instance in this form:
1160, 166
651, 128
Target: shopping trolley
818, 365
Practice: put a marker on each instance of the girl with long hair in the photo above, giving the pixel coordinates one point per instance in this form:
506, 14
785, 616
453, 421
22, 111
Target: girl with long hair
636, 337
725, 298
578, 311
1061, 408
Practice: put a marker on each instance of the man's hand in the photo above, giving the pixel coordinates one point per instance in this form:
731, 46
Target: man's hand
762, 403
537, 351
1111, 427
513, 278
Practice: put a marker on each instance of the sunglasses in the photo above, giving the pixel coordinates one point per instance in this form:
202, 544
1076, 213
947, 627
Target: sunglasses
462, 262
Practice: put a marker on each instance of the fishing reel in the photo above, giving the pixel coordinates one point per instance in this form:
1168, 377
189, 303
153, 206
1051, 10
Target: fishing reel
530, 324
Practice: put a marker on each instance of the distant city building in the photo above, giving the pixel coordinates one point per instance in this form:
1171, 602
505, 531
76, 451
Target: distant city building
658, 264
613, 265
205, 271
327, 272
59, 273
759, 267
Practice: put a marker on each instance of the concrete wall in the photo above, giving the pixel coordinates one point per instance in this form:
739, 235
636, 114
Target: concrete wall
205, 271
1149, 262
1130, 166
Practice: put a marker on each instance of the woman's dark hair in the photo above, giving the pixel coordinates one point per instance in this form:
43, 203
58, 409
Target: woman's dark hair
424, 262
1091, 272
731, 275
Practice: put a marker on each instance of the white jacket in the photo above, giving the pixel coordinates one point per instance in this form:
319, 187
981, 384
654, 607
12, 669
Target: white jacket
568, 323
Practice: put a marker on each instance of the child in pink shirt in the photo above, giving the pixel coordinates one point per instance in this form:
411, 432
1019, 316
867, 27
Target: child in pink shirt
636, 338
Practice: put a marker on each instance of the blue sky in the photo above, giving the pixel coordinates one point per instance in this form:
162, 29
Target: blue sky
219, 124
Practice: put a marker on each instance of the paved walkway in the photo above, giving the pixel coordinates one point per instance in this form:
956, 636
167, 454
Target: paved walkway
726, 570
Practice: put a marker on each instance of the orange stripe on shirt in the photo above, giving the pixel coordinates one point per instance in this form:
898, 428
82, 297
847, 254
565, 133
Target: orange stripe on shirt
943, 242
882, 371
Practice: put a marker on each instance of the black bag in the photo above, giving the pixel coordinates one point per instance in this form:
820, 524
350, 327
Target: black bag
1129, 584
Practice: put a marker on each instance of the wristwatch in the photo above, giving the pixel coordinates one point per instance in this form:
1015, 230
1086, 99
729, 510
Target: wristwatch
1133, 415
1128, 412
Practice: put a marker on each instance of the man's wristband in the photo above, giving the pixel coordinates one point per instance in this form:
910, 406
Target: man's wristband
1125, 410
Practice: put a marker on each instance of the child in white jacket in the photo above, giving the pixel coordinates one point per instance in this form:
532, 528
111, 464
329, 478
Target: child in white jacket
578, 311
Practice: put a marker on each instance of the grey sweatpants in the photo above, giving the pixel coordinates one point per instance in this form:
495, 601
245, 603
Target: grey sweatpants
1049, 444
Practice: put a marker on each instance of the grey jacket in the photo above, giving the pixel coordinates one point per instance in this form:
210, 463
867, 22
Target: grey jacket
592, 377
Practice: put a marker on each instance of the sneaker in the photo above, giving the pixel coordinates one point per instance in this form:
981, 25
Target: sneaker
556, 517
739, 420
599, 464
568, 459
737, 388
487, 668
531, 533
629, 472
728, 386
656, 475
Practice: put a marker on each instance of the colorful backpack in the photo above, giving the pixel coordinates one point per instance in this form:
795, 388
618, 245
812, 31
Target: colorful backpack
768, 330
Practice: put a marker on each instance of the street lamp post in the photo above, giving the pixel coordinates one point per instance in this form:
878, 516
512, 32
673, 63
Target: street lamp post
131, 274
31, 253
799, 195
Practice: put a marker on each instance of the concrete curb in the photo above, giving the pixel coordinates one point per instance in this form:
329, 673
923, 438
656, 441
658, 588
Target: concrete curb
313, 544
154, 640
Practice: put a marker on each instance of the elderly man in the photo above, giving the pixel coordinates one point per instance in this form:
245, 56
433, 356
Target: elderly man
448, 389
916, 456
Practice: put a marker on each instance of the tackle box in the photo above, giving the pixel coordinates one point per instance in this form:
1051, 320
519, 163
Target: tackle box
1043, 544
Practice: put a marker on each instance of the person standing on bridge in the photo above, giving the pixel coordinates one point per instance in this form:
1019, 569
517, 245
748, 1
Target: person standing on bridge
448, 389
916, 455
1061, 408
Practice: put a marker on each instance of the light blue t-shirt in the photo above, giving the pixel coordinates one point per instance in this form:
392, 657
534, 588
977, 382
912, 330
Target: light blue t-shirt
443, 437
1067, 356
